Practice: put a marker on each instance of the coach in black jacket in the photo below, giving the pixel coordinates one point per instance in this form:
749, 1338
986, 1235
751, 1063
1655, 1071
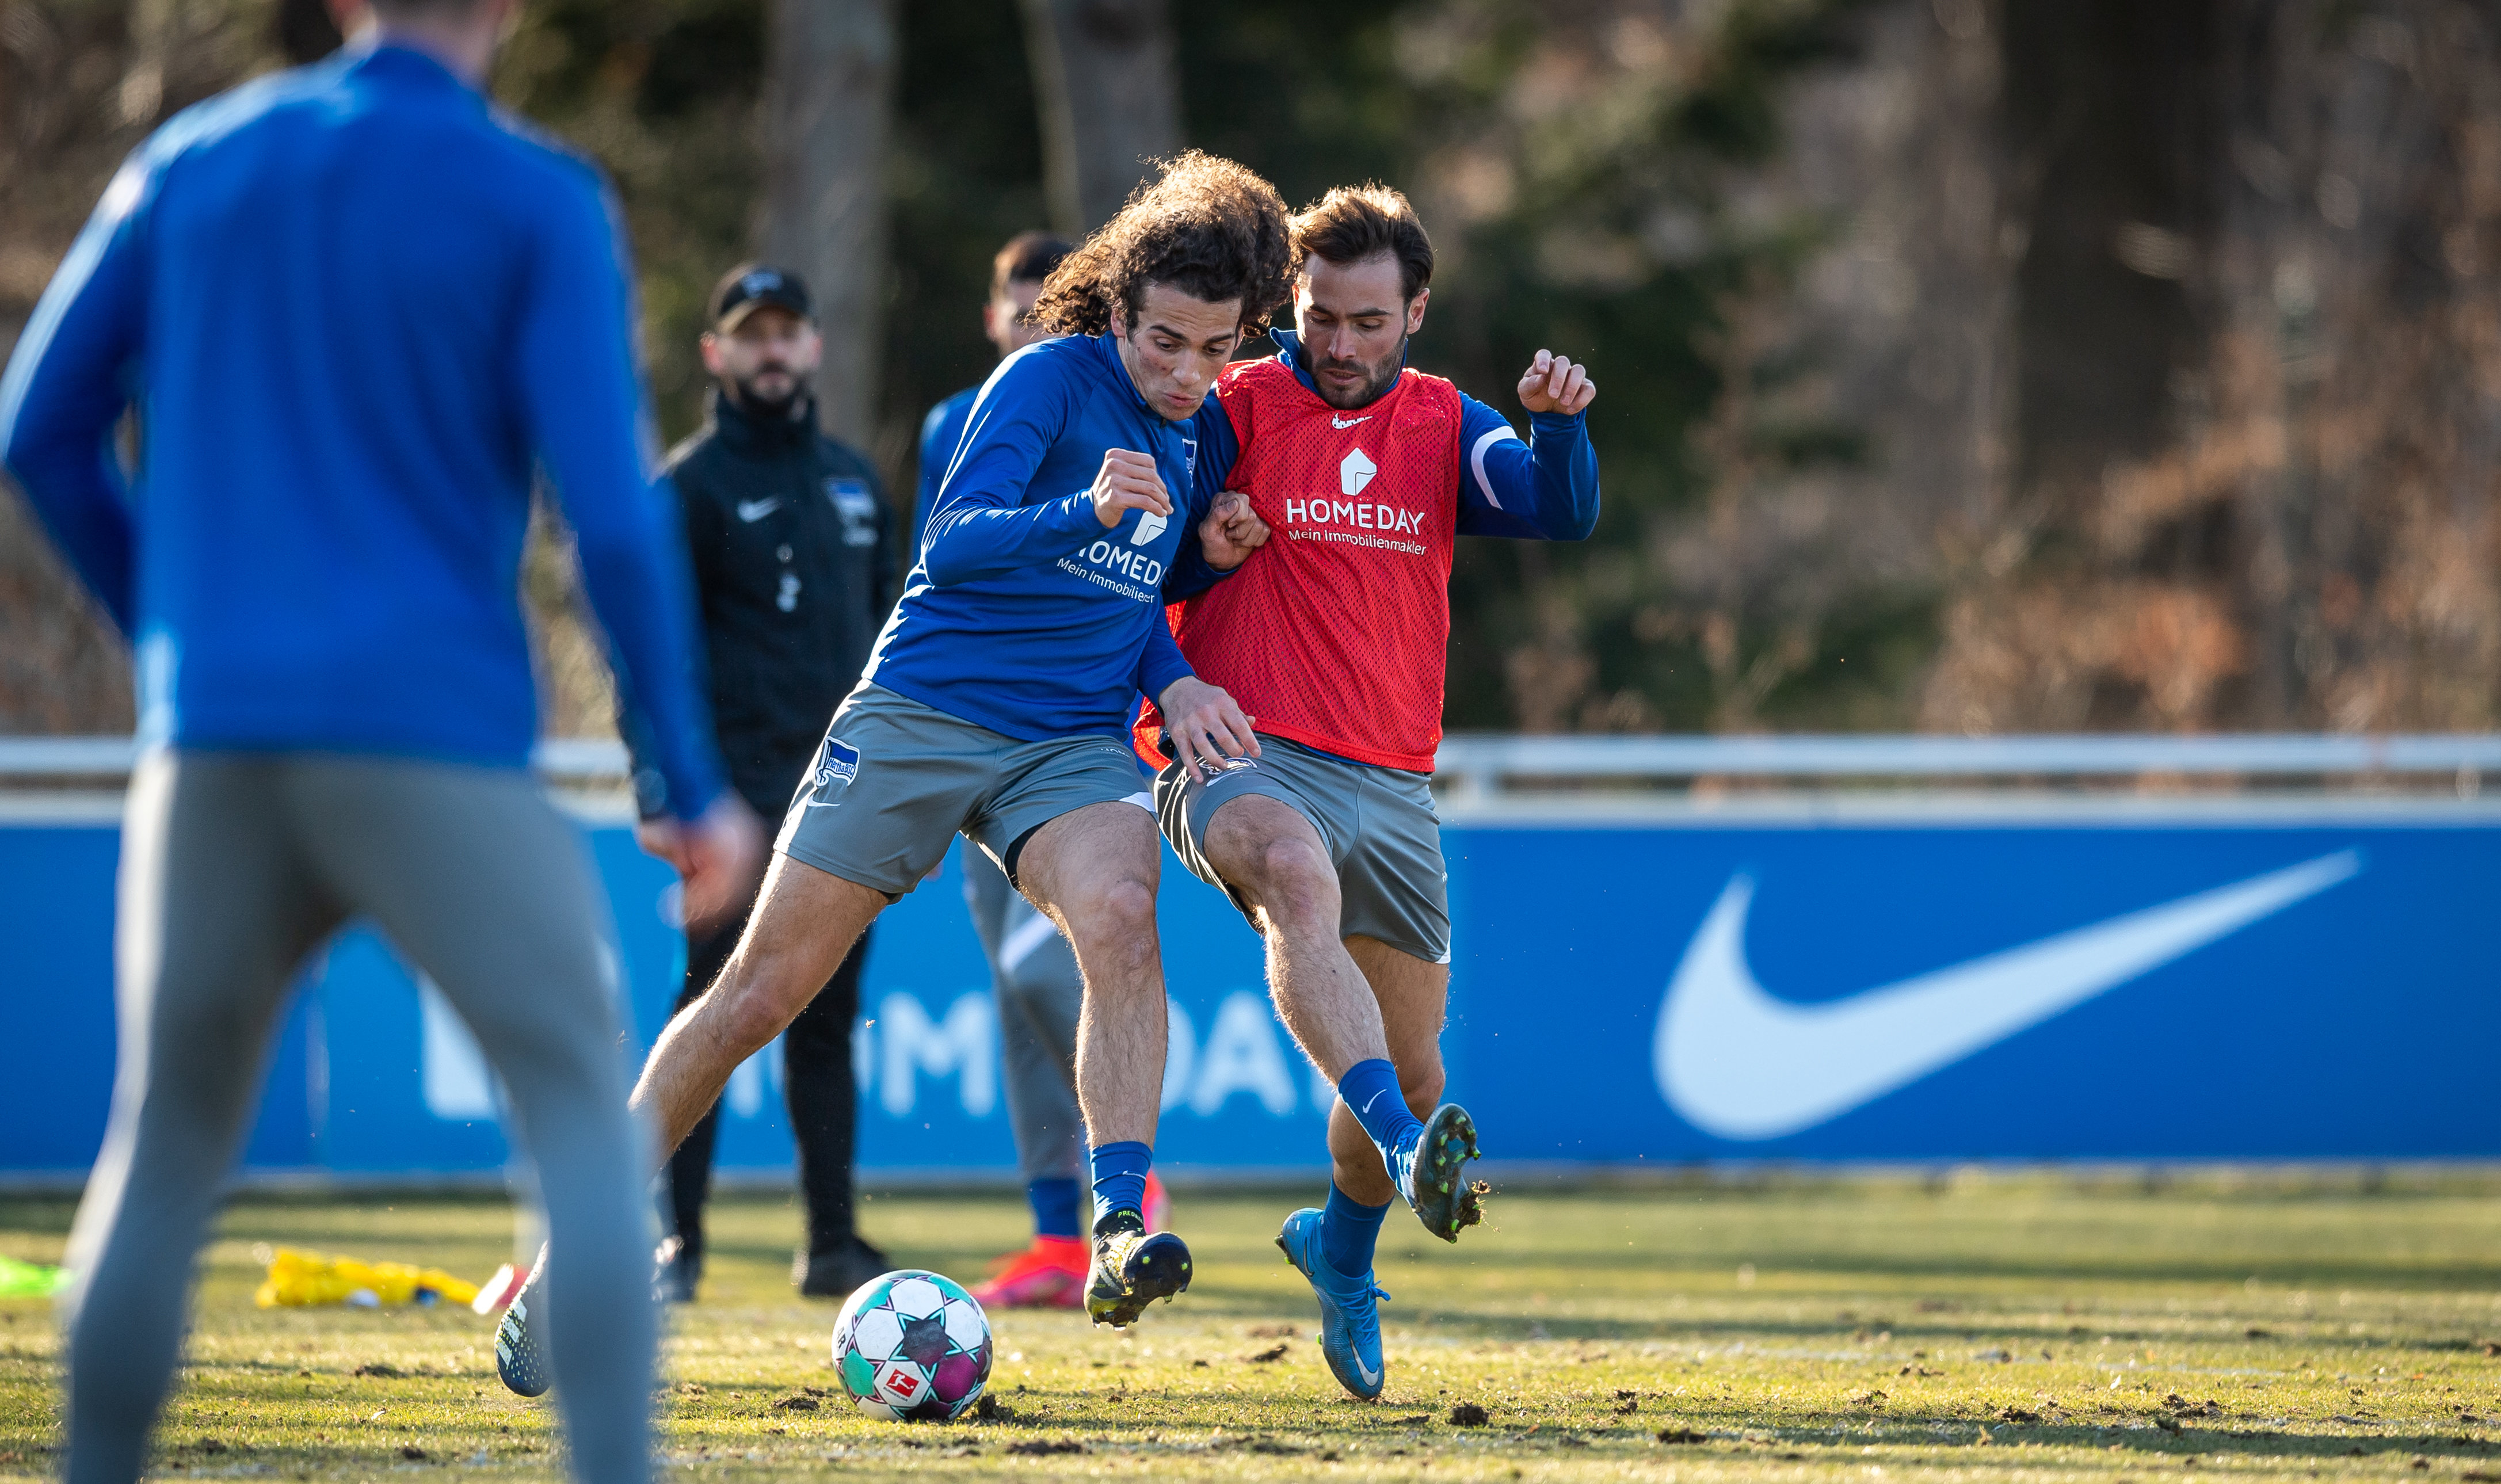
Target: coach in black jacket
794, 562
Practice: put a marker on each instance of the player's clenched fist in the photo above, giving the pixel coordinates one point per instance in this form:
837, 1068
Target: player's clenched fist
1231, 530
1205, 726
1553, 384
1128, 481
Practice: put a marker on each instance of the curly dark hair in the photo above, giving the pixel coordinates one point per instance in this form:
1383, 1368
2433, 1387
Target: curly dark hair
1207, 226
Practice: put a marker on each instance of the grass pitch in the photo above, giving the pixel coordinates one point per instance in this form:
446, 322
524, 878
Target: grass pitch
2041, 1326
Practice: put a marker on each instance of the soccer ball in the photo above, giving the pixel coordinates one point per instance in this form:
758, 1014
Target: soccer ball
913, 1345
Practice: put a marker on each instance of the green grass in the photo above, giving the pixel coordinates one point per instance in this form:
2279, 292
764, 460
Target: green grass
2043, 1326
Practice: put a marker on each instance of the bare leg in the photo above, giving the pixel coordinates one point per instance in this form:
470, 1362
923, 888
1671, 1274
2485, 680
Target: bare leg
1271, 855
1412, 996
805, 921
1094, 870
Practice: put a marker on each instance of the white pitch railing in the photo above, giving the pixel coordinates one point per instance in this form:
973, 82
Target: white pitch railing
80, 759
1478, 764
1475, 765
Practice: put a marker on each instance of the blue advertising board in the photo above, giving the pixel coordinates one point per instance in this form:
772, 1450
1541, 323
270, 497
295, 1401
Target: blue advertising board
2257, 981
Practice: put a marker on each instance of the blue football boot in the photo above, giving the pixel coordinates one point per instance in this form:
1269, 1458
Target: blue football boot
1430, 1173
1350, 1308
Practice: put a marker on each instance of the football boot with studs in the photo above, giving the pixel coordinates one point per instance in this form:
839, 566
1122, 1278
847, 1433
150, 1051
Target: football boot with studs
1431, 1174
520, 1349
1132, 1270
1350, 1308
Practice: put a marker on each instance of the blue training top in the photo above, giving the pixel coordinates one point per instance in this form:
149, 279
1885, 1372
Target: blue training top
359, 311
1023, 613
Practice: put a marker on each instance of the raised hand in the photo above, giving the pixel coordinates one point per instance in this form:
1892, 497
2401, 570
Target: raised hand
1128, 481
1205, 726
1231, 530
1553, 383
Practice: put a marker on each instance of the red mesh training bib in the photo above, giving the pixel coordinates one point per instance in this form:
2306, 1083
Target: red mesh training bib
1337, 633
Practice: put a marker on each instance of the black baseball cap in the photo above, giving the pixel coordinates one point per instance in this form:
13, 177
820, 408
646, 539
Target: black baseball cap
751, 286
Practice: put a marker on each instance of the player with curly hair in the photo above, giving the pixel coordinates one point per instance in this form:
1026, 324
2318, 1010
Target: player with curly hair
996, 701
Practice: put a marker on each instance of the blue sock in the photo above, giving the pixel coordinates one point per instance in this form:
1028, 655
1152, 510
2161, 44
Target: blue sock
1371, 1090
1349, 1230
1119, 1176
1054, 1206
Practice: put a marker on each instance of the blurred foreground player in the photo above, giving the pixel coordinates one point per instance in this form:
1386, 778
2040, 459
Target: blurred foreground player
1033, 973
359, 308
1335, 637
793, 552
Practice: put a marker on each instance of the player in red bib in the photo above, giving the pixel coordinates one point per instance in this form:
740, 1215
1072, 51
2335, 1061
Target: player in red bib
1334, 637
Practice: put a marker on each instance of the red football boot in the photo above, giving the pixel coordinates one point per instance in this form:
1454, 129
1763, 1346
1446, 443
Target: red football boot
1048, 1274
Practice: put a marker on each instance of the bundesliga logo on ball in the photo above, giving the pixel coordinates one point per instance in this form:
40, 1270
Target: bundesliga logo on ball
913, 1345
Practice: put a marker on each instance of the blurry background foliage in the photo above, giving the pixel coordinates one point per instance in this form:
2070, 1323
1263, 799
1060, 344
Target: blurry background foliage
1964, 366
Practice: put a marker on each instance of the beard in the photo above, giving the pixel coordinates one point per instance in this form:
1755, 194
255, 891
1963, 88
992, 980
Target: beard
1377, 378
777, 402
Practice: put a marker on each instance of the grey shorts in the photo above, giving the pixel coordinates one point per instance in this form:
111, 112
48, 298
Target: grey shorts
894, 780
1378, 824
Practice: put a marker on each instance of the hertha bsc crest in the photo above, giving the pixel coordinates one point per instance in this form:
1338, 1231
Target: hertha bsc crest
837, 764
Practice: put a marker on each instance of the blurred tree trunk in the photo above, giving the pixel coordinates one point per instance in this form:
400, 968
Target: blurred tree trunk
828, 98
80, 83
1107, 83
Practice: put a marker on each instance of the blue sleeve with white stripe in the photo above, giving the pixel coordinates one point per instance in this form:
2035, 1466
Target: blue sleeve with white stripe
67, 386
1545, 489
982, 526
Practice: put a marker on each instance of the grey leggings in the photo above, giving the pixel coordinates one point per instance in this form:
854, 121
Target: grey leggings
1033, 975
233, 868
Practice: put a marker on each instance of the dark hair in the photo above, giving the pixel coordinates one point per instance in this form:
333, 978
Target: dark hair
1356, 222
1206, 226
1027, 258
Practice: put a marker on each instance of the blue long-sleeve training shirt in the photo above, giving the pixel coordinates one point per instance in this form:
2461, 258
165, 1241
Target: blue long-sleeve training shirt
357, 310
1023, 613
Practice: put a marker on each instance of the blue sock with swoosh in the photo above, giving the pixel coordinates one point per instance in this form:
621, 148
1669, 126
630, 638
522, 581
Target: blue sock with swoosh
1349, 1232
1370, 1091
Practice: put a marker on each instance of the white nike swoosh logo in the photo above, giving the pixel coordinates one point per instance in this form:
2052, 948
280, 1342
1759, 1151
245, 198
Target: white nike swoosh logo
1736, 1063
754, 510
1336, 421
1368, 1101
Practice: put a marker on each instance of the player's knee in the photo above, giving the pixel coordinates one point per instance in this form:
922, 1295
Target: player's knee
1120, 909
1297, 887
